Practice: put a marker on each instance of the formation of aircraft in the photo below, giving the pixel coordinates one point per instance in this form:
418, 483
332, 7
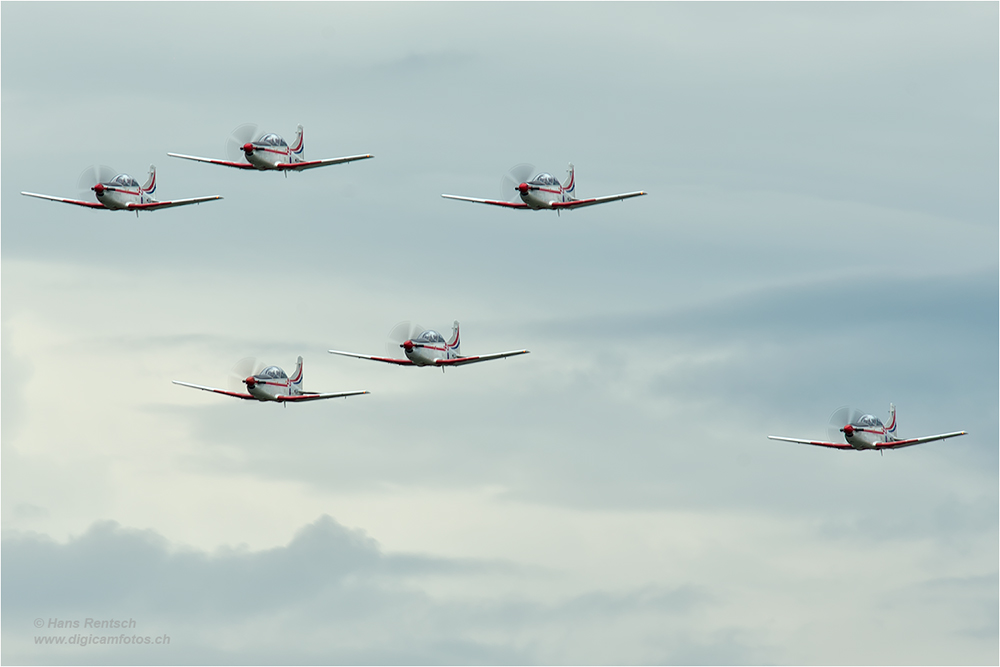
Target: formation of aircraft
268, 152
121, 192
421, 347
543, 191
269, 384
865, 431
426, 347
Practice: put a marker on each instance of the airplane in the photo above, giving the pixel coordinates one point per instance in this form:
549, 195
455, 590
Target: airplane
542, 191
864, 431
428, 348
269, 384
268, 152
121, 192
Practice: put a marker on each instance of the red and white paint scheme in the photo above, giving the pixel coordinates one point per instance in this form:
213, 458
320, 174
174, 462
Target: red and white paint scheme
268, 152
541, 192
270, 384
429, 348
864, 431
122, 192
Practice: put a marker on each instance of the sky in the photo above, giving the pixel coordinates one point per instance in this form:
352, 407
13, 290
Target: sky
821, 230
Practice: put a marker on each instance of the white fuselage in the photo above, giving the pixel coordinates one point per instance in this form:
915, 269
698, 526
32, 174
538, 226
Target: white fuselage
266, 157
117, 197
271, 150
543, 196
269, 390
867, 437
265, 387
430, 346
425, 354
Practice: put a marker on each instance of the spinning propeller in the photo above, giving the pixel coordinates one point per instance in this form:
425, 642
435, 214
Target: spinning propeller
401, 336
514, 182
240, 142
842, 421
94, 177
241, 375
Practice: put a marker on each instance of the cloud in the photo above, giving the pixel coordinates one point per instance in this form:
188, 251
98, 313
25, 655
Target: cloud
331, 595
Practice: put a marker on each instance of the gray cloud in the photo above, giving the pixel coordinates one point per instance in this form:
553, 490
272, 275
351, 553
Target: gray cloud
331, 595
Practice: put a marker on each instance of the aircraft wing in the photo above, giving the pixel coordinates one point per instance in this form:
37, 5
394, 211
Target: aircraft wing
78, 202
819, 443
312, 164
388, 360
461, 361
152, 206
494, 202
224, 163
896, 444
580, 203
217, 391
316, 396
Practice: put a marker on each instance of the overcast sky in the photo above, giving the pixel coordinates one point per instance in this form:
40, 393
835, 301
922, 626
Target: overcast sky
821, 230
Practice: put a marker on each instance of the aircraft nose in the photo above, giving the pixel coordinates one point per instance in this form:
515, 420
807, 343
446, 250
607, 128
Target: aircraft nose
250, 382
407, 345
848, 430
99, 189
248, 147
523, 188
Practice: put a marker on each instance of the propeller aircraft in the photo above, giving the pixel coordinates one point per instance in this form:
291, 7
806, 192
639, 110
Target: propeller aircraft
428, 348
268, 384
268, 152
121, 192
521, 191
865, 431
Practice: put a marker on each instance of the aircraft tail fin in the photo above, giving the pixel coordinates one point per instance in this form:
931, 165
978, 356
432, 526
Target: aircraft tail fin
570, 186
150, 185
890, 427
298, 146
296, 378
455, 343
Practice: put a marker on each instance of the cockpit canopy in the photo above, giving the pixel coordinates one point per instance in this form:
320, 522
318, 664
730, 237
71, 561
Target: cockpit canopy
271, 140
544, 179
124, 180
272, 373
429, 336
869, 420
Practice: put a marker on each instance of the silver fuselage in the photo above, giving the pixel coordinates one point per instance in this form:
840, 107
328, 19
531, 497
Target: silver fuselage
867, 437
270, 388
542, 196
425, 354
117, 197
